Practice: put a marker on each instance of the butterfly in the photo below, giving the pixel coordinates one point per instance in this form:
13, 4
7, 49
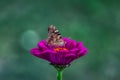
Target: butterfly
54, 37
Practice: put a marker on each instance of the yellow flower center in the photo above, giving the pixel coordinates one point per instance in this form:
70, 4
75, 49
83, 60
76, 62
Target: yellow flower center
59, 49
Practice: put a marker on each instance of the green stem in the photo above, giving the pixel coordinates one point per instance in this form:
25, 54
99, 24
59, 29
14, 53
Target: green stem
59, 75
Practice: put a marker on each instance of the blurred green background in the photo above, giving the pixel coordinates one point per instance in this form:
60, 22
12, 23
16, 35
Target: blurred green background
95, 22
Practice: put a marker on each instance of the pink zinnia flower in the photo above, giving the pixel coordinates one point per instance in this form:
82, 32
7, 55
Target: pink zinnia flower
60, 55
59, 51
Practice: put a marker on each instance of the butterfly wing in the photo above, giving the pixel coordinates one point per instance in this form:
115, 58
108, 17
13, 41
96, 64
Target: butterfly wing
54, 37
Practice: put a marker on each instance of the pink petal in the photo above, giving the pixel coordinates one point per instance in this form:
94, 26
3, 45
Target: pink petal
80, 45
70, 44
75, 50
70, 58
59, 57
44, 55
42, 45
82, 52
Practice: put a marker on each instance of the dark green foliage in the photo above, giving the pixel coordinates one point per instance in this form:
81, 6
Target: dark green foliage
95, 22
